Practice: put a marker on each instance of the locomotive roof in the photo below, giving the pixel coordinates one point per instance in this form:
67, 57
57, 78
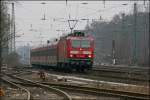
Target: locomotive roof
77, 37
70, 36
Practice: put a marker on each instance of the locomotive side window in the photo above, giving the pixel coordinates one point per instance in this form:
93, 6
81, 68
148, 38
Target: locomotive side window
75, 43
85, 43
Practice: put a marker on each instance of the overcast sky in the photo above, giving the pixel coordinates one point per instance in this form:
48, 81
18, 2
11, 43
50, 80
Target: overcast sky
33, 30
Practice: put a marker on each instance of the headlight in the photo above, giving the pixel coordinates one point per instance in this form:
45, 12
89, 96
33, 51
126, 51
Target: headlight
71, 55
89, 56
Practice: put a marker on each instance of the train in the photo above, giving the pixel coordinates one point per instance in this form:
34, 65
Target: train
74, 51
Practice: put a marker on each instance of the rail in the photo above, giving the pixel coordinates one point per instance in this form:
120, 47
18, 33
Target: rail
122, 73
28, 93
56, 90
101, 91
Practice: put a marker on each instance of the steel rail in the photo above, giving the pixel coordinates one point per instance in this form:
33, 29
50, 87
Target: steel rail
136, 70
125, 94
101, 91
119, 70
126, 75
28, 92
56, 90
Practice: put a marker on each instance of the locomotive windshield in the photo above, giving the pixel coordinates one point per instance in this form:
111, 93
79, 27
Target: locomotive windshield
75, 43
80, 43
85, 43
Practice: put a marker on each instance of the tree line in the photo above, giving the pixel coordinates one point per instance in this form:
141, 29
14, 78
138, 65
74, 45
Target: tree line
3, 27
5, 23
130, 39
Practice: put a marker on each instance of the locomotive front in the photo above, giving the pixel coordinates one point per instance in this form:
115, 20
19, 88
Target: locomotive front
81, 51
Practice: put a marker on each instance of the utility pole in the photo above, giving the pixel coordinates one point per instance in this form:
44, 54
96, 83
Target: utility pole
12, 48
104, 3
87, 23
11, 30
135, 34
124, 42
9, 35
0, 53
123, 23
113, 52
44, 16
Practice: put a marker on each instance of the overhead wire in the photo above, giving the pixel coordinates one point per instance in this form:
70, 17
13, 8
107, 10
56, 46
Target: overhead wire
69, 15
77, 11
100, 11
30, 10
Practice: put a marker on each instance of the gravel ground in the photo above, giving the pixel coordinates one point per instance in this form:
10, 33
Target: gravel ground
76, 95
84, 96
93, 83
38, 93
12, 93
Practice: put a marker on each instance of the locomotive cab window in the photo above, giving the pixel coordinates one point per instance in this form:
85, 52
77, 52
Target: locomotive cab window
85, 43
75, 43
80, 43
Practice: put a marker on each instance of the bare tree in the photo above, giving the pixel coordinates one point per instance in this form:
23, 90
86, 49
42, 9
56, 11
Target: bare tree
4, 28
121, 29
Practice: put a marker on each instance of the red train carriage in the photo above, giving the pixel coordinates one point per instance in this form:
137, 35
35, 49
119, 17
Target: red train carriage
44, 56
75, 51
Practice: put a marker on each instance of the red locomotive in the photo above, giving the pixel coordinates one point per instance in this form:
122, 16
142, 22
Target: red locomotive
74, 51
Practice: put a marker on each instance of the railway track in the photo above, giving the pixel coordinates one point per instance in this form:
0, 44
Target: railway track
137, 75
121, 94
73, 95
24, 82
88, 90
123, 69
107, 74
19, 91
120, 74
114, 74
97, 91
